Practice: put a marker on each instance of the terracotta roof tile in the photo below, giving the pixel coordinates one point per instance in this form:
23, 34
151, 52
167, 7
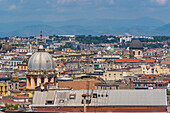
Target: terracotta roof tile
150, 50
78, 85
168, 59
165, 62
61, 64
127, 60
151, 61
60, 52
21, 55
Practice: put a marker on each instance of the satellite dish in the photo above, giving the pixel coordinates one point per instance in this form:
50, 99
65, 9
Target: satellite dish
42, 88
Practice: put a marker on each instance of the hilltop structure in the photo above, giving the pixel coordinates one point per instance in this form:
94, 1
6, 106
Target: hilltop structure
136, 49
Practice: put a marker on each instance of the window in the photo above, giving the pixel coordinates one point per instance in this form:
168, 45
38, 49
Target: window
95, 95
42, 80
136, 85
138, 52
149, 77
139, 85
87, 101
145, 85
154, 78
5, 88
49, 102
35, 82
109, 75
152, 70
72, 96
16, 86
133, 52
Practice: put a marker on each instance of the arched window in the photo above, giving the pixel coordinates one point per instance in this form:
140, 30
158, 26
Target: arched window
133, 52
35, 81
42, 80
138, 52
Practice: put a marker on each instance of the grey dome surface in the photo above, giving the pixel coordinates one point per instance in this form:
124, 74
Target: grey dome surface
136, 44
41, 61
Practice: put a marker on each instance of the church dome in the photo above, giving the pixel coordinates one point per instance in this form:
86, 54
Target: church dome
112, 50
136, 44
41, 61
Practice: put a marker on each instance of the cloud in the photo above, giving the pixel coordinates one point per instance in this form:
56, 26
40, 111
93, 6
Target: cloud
47, 2
60, 10
21, 1
38, 9
160, 2
69, 1
111, 2
12, 7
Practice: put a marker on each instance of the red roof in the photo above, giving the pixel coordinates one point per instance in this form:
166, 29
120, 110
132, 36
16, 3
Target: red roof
165, 62
61, 64
21, 55
167, 59
60, 52
22, 87
133, 60
8, 101
151, 61
127, 60
5, 73
150, 50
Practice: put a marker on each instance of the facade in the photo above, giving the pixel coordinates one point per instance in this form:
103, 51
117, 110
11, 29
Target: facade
161, 70
4, 88
14, 62
14, 86
119, 74
23, 66
147, 69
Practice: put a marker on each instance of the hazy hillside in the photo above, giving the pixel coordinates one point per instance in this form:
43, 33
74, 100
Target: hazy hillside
141, 26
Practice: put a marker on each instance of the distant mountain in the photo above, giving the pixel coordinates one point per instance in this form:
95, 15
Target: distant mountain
162, 30
141, 26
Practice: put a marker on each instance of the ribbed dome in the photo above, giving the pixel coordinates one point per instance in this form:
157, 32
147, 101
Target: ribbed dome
112, 50
41, 61
136, 44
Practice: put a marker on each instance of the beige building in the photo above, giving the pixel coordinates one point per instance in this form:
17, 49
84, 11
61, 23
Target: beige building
147, 69
119, 74
161, 70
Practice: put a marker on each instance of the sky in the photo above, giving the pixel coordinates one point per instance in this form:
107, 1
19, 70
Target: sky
61, 10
